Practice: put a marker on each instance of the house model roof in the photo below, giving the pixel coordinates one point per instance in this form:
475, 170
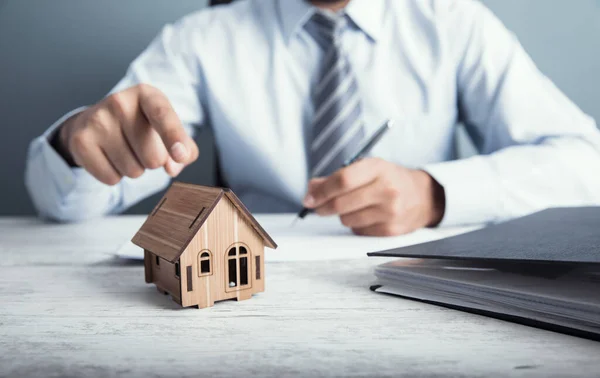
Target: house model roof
181, 212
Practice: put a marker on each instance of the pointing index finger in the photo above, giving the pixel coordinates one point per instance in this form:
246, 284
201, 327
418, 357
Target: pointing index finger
162, 117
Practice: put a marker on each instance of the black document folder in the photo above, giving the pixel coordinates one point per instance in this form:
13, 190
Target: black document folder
541, 270
553, 235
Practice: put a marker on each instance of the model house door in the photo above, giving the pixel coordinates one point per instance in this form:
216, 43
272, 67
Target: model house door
238, 268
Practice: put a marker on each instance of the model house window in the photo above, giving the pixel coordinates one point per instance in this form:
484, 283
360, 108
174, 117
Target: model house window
204, 262
177, 270
243, 266
237, 261
157, 260
232, 267
257, 263
188, 274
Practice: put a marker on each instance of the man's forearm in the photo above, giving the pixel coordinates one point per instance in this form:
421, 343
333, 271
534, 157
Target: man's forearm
518, 180
65, 193
68, 194
56, 188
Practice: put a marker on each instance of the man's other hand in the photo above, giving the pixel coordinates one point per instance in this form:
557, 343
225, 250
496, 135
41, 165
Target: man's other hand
127, 133
377, 198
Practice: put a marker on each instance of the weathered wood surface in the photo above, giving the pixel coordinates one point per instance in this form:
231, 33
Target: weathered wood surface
68, 309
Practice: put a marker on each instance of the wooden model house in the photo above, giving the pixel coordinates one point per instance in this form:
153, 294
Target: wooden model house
201, 245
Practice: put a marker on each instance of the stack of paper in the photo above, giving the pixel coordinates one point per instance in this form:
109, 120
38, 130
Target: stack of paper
563, 298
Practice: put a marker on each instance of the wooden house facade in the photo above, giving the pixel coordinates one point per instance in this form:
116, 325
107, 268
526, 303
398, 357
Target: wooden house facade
201, 245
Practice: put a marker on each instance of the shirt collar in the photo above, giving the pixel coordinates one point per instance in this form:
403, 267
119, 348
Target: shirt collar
367, 15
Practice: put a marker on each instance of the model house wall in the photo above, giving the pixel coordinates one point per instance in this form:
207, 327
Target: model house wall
223, 230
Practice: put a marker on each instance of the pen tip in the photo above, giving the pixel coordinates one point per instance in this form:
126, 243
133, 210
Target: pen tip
294, 222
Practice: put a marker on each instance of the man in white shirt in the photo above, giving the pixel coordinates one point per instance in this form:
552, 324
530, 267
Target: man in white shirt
289, 87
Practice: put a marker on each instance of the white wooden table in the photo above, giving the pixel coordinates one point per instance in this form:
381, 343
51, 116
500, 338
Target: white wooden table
69, 309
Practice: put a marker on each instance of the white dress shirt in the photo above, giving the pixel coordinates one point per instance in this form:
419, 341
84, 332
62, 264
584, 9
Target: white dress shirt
246, 71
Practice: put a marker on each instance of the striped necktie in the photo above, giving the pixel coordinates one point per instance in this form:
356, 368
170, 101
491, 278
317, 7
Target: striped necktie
337, 125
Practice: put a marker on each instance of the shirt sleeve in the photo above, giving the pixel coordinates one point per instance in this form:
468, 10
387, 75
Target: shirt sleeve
537, 149
67, 194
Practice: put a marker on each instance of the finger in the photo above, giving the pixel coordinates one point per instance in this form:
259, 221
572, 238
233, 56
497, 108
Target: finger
89, 156
343, 181
309, 200
144, 141
121, 156
382, 229
366, 217
353, 201
146, 144
316, 182
173, 168
162, 117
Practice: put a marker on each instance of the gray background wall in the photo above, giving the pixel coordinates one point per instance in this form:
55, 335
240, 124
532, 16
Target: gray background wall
59, 54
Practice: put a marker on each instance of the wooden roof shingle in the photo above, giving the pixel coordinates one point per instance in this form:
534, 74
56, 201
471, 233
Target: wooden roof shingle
181, 212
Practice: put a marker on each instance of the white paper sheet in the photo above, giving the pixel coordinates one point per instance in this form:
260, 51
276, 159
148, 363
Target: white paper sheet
316, 238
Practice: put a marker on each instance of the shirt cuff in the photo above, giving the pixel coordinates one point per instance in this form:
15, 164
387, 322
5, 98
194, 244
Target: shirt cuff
472, 193
65, 177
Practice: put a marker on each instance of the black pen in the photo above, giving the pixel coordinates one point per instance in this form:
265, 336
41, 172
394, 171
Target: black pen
362, 152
